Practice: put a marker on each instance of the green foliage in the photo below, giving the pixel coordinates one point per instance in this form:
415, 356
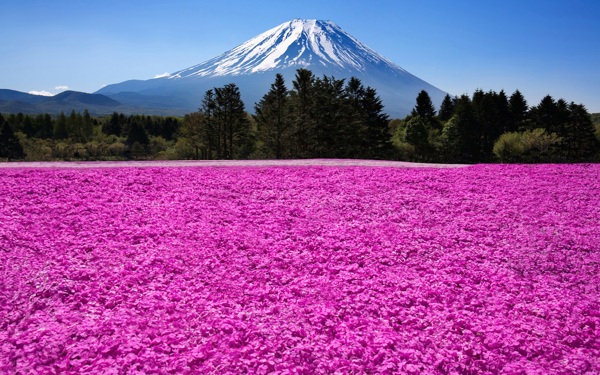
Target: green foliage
424, 107
416, 135
517, 108
274, 123
60, 127
530, 146
446, 109
10, 145
579, 136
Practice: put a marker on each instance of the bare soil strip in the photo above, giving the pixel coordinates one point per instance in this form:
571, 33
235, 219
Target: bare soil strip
227, 163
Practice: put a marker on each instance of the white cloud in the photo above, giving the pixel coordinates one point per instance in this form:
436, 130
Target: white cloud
61, 88
162, 75
41, 93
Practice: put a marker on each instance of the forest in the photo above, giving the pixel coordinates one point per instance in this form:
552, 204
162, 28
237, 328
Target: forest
318, 117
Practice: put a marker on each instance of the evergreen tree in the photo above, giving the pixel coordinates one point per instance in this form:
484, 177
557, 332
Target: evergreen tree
75, 126
424, 107
10, 147
377, 137
273, 119
60, 127
113, 126
87, 126
579, 140
303, 101
545, 115
491, 114
28, 127
468, 130
212, 129
137, 134
518, 109
332, 133
230, 115
446, 109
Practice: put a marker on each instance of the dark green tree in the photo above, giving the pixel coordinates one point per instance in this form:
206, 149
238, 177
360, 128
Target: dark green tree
87, 126
113, 126
212, 129
424, 107
273, 120
137, 140
28, 127
580, 140
417, 135
518, 110
377, 137
60, 127
446, 109
545, 115
193, 130
10, 147
332, 131
303, 102
468, 131
236, 134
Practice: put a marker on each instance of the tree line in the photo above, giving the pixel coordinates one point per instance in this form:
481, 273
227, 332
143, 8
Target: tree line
79, 136
318, 117
490, 126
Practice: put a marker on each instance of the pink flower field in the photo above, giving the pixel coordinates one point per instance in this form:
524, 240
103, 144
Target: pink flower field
300, 270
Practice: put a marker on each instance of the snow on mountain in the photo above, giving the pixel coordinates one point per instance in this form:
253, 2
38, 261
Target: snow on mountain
294, 44
320, 46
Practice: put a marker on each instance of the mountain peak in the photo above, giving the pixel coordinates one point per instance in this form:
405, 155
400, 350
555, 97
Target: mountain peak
317, 45
299, 43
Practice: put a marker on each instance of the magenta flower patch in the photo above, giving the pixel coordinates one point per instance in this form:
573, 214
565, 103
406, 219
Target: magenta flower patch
300, 270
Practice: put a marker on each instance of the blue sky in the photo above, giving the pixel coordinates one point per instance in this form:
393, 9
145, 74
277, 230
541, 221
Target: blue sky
539, 47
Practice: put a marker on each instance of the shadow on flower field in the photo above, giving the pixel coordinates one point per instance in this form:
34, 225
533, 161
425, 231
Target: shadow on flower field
303, 269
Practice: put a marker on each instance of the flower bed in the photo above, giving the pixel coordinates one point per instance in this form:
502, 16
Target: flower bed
300, 270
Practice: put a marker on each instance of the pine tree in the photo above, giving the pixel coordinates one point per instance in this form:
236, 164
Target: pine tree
273, 119
113, 126
377, 135
230, 114
87, 126
332, 131
580, 140
424, 107
28, 127
212, 130
303, 102
137, 134
518, 109
10, 147
60, 127
468, 130
545, 115
446, 109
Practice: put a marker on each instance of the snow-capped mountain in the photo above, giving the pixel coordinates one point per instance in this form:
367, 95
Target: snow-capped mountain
320, 46
295, 44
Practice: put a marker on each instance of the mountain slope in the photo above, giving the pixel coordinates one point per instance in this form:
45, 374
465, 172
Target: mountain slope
320, 46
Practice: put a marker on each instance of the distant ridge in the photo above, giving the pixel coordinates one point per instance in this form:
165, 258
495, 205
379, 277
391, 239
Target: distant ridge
12, 101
